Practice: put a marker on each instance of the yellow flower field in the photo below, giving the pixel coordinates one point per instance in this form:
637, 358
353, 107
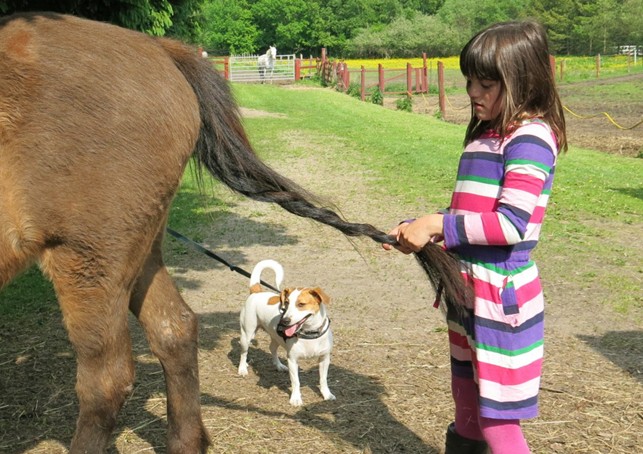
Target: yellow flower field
400, 63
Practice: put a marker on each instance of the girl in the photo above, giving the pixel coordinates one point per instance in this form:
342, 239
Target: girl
493, 223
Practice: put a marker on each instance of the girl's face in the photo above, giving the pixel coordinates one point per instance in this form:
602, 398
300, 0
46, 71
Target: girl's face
485, 97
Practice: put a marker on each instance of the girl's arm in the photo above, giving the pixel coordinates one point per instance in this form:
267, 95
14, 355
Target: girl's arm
529, 161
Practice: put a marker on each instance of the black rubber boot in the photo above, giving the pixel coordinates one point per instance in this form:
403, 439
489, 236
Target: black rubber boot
457, 444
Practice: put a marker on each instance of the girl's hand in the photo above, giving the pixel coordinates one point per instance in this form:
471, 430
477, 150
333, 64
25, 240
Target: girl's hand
413, 236
394, 233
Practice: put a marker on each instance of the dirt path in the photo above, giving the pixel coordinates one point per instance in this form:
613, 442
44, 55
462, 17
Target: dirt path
390, 368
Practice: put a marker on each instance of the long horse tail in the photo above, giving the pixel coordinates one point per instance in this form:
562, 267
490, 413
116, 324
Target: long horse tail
225, 151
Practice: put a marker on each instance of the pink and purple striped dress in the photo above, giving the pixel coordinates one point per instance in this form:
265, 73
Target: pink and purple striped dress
494, 222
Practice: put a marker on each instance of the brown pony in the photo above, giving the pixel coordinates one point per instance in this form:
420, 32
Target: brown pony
97, 124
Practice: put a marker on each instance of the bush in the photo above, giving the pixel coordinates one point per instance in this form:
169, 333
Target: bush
404, 103
377, 97
354, 90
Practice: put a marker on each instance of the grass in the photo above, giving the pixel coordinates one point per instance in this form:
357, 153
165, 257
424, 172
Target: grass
625, 90
597, 198
30, 296
582, 68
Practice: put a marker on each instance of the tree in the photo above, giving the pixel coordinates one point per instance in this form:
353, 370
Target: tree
558, 18
187, 21
150, 16
470, 16
228, 28
632, 23
407, 37
288, 23
597, 22
427, 7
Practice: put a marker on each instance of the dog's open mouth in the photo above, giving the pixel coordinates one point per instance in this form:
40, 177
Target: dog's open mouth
292, 330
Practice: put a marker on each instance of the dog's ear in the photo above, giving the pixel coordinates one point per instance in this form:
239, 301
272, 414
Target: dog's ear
320, 295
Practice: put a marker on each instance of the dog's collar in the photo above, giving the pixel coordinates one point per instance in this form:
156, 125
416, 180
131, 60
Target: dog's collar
309, 335
315, 334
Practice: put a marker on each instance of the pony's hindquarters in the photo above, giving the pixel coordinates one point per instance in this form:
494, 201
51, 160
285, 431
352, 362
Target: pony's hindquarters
96, 126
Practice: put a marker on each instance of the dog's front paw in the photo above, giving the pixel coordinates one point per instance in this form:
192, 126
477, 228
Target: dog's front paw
281, 367
295, 400
243, 370
327, 394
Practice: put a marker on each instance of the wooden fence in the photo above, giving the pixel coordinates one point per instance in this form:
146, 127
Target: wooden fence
403, 81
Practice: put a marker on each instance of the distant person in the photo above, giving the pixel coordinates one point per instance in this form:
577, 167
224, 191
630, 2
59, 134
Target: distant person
502, 188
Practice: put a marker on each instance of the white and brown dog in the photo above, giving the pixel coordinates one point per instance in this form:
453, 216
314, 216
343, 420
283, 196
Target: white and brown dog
295, 319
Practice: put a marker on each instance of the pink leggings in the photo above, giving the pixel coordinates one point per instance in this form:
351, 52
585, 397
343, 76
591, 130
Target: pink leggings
504, 436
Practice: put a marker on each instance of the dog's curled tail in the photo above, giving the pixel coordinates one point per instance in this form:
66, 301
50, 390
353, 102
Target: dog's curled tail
255, 277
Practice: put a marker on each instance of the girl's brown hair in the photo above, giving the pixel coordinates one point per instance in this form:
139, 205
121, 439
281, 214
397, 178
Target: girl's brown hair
517, 55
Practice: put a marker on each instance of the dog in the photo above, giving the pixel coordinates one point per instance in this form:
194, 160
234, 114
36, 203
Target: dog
296, 319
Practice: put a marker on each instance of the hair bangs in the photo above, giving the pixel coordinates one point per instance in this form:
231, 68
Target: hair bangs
478, 59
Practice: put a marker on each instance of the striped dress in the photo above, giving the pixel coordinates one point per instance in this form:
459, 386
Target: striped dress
494, 221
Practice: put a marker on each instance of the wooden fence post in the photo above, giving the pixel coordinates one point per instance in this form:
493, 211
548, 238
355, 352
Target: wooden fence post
562, 69
441, 91
409, 80
363, 84
226, 68
347, 77
425, 80
380, 78
598, 65
333, 73
297, 68
552, 65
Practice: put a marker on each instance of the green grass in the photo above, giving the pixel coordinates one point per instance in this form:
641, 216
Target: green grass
597, 198
583, 68
627, 91
30, 296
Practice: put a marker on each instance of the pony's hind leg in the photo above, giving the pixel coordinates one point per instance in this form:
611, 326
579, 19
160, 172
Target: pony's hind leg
171, 330
94, 309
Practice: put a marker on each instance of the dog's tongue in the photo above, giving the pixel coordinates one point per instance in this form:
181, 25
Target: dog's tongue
291, 330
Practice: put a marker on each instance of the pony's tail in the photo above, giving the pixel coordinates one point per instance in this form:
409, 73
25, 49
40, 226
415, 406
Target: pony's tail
225, 151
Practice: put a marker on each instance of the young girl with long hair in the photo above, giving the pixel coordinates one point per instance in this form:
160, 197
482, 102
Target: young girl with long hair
493, 223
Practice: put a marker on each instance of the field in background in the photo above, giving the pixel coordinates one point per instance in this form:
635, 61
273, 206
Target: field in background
573, 68
603, 110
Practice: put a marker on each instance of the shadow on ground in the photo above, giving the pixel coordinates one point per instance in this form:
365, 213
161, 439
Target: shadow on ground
623, 348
